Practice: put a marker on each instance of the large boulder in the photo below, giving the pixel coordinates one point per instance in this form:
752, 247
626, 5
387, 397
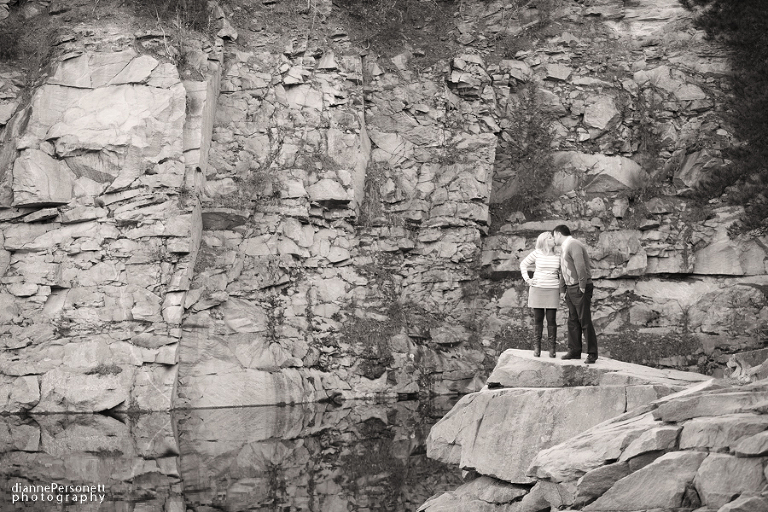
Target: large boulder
555, 399
483, 494
519, 423
662, 484
659, 469
600, 112
722, 476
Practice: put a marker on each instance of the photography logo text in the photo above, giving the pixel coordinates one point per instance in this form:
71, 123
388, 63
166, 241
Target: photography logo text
57, 493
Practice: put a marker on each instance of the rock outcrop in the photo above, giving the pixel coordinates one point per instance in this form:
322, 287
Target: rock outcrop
519, 369
700, 448
538, 408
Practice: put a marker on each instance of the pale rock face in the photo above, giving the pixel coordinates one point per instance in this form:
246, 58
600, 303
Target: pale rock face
752, 446
664, 472
138, 148
601, 112
708, 405
588, 451
517, 368
19, 394
550, 102
6, 112
722, 476
328, 191
510, 415
729, 258
600, 173
661, 484
720, 433
619, 253
66, 391
250, 387
302, 96
40, 180
481, 494
745, 504
658, 439
595, 482
103, 141
558, 72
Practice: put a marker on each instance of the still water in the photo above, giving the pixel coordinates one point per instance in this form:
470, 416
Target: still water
356, 456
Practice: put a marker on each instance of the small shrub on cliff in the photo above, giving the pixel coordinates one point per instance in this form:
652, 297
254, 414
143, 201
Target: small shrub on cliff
184, 14
26, 43
10, 36
390, 27
527, 148
743, 27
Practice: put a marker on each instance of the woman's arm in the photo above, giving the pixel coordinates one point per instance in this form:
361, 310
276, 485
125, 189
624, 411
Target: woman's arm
528, 261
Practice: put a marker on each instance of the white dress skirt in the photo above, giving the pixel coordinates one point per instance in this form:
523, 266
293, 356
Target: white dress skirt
544, 298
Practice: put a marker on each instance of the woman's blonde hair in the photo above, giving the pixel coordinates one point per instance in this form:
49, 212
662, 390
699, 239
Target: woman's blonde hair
541, 242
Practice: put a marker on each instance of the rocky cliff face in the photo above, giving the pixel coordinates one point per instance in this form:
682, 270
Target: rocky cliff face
99, 241
295, 218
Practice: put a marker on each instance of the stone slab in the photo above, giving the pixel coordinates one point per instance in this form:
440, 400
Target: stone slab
660, 485
519, 423
518, 368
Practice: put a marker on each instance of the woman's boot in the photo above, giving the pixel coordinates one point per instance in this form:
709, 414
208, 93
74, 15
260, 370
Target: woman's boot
552, 337
538, 330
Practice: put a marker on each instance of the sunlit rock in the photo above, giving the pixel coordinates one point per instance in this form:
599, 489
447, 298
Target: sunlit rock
518, 368
487, 423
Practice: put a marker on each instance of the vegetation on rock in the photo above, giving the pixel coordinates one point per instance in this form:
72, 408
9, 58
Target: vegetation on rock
743, 27
527, 147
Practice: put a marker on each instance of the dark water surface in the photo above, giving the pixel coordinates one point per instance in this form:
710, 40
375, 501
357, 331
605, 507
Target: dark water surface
356, 456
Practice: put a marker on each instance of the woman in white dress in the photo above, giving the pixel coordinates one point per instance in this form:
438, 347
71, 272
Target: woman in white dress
544, 291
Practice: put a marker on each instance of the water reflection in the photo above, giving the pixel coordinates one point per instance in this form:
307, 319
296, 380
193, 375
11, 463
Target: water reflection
358, 456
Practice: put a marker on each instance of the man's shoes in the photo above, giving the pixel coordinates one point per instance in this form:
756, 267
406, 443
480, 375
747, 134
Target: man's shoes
591, 359
571, 355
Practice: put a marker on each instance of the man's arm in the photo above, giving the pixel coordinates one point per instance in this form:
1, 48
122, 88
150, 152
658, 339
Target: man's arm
560, 276
580, 265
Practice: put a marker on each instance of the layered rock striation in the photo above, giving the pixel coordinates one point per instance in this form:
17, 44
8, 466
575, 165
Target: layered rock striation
100, 230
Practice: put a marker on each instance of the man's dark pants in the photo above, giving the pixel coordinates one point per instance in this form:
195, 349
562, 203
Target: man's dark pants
580, 319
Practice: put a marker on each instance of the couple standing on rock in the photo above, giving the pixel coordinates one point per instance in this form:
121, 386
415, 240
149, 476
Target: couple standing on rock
569, 272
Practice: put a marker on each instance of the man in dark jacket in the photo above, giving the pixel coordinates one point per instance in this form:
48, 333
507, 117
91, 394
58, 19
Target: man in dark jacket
576, 282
